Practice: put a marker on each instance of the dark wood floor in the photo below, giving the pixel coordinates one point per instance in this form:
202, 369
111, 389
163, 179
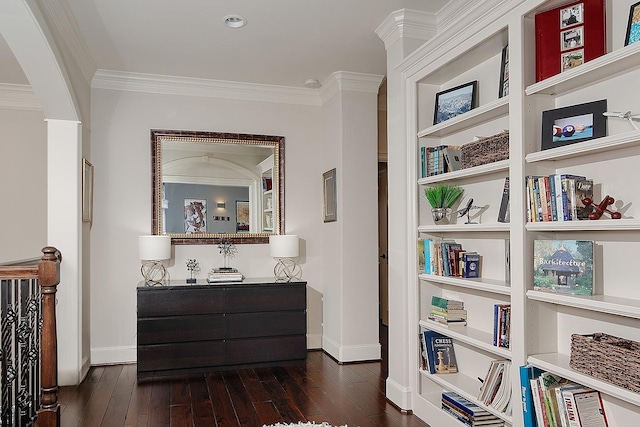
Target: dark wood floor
322, 390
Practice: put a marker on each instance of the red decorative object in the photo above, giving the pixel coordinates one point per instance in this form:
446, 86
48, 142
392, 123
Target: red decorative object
569, 36
602, 208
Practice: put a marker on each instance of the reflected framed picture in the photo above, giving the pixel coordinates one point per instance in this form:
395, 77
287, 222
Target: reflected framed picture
576, 123
455, 101
330, 201
242, 216
195, 216
633, 28
87, 191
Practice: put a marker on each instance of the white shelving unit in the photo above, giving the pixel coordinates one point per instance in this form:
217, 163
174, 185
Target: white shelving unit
268, 196
542, 323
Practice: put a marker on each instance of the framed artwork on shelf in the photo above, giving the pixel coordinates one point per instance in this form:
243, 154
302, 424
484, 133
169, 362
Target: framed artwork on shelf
242, 216
195, 216
87, 191
633, 28
504, 73
455, 101
569, 36
576, 123
330, 201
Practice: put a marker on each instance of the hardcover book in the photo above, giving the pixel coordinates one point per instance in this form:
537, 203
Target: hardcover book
527, 373
563, 266
503, 213
444, 355
584, 189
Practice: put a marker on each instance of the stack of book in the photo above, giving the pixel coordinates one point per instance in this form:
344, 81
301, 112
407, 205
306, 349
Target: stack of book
555, 401
448, 312
447, 258
496, 387
501, 325
224, 275
558, 197
468, 412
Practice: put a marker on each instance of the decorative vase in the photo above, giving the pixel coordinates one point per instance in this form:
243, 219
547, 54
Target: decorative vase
441, 215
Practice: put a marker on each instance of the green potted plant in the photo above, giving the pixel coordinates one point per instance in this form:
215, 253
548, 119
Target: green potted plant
441, 198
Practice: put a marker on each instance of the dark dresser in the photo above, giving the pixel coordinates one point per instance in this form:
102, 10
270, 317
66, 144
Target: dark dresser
188, 328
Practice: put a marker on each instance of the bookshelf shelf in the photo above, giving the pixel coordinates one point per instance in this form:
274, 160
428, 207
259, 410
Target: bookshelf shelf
593, 146
502, 165
466, 334
559, 364
602, 303
481, 114
486, 285
613, 63
602, 224
465, 386
466, 228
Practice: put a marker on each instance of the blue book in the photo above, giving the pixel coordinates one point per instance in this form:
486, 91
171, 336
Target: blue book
431, 359
552, 196
427, 256
527, 373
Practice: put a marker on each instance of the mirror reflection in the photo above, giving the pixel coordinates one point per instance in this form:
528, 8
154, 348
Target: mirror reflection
210, 185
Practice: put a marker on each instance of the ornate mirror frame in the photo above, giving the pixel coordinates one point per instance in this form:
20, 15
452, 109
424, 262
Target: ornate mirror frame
199, 137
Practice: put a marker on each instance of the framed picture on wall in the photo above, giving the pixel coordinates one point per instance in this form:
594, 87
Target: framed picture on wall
242, 216
330, 205
195, 216
576, 123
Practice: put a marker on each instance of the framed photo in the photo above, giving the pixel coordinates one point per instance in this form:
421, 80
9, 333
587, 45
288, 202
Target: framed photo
455, 101
195, 216
87, 191
576, 123
242, 216
330, 205
504, 73
633, 28
568, 36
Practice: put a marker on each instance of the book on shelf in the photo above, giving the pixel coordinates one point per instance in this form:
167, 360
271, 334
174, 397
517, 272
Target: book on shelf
583, 189
267, 183
496, 387
422, 248
557, 197
469, 413
423, 351
441, 355
452, 157
527, 373
471, 265
588, 406
427, 336
503, 211
446, 303
563, 266
501, 325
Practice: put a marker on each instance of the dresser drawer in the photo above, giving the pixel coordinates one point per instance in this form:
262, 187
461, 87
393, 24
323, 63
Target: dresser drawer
268, 298
181, 356
163, 302
260, 350
162, 330
245, 325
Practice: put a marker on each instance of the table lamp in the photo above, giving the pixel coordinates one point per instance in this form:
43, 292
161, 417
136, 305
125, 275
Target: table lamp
152, 250
284, 248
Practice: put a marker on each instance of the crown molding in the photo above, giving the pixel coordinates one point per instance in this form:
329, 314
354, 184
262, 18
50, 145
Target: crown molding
407, 24
18, 97
186, 86
59, 15
345, 81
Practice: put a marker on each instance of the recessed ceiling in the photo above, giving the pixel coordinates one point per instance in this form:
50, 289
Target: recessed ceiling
284, 43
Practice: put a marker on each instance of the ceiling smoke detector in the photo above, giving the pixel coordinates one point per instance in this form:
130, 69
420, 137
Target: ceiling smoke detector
234, 21
312, 83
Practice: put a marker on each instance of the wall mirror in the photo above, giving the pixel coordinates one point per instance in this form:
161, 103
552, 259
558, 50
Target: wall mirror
208, 186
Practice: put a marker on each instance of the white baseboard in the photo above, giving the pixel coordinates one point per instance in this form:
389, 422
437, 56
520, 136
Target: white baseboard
314, 341
113, 355
351, 353
399, 395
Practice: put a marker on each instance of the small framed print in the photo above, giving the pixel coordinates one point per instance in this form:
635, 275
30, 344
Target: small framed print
576, 123
87, 191
572, 59
455, 101
504, 73
572, 38
195, 216
571, 15
330, 205
633, 28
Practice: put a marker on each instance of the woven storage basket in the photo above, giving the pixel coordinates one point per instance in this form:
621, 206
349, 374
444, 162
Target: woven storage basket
612, 359
485, 150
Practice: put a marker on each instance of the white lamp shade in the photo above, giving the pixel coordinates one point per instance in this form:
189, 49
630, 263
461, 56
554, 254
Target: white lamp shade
283, 246
154, 248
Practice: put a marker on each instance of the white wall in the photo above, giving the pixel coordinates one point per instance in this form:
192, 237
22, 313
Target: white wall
23, 184
120, 148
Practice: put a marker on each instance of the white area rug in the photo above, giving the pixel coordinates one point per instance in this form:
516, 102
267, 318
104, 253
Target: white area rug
312, 424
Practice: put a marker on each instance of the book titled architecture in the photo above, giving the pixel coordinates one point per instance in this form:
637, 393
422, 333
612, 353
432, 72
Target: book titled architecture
563, 266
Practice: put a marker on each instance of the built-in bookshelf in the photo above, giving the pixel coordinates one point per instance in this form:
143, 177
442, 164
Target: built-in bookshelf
541, 322
268, 195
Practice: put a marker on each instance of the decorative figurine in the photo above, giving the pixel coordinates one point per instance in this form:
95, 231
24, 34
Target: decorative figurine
467, 211
228, 250
603, 207
194, 267
627, 116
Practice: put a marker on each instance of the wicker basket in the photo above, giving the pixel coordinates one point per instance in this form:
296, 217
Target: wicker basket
612, 359
485, 150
